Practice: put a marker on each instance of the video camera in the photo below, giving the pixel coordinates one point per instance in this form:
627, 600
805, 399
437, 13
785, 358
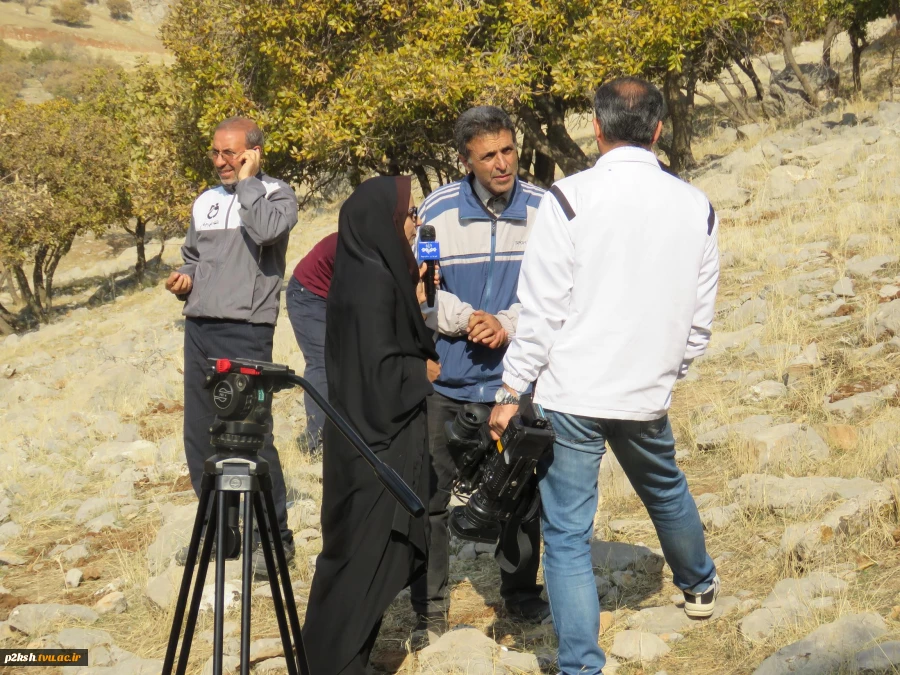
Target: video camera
498, 477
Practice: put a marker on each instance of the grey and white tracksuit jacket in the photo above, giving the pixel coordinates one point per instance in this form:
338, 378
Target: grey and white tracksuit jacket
235, 250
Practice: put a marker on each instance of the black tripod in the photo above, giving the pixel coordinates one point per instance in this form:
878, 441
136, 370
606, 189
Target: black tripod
242, 393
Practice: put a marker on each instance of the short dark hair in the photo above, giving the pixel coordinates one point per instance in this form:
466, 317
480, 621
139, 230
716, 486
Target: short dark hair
482, 119
254, 134
628, 110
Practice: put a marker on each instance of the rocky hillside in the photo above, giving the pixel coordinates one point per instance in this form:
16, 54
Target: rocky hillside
789, 432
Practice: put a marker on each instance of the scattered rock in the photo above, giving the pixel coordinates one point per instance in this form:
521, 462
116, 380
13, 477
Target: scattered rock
740, 430
276, 665
73, 578
719, 517
9, 558
112, 603
881, 659
860, 405
162, 590
468, 650
842, 436
796, 497
808, 540
83, 638
231, 665
9, 531
788, 443
616, 556
889, 292
265, 648
844, 288
885, 321
858, 266
766, 389
789, 601
826, 648
633, 645
28, 618
207, 599
102, 522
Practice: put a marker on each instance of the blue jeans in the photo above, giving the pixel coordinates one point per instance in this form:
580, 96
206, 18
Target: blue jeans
568, 484
306, 310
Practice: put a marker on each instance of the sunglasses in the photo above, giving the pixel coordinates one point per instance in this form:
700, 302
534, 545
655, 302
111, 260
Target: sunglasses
413, 212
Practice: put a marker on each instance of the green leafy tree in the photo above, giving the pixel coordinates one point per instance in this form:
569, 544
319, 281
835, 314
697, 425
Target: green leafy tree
350, 87
142, 105
68, 161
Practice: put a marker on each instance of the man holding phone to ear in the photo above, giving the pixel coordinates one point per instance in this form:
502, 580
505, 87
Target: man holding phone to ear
234, 265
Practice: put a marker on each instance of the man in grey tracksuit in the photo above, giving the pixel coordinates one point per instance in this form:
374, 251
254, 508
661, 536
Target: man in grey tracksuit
234, 264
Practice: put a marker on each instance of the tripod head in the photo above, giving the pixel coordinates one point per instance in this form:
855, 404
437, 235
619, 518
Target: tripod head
242, 395
242, 390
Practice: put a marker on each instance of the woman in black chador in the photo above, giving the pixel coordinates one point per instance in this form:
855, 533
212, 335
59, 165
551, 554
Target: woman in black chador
377, 353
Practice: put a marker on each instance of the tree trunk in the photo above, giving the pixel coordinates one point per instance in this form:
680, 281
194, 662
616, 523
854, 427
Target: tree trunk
787, 41
681, 110
37, 275
737, 81
544, 170
858, 43
140, 232
7, 280
50, 270
526, 158
831, 32
743, 115
422, 177
31, 300
745, 63
725, 112
554, 113
569, 163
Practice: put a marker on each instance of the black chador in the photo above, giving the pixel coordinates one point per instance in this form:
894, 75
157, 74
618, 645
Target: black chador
376, 348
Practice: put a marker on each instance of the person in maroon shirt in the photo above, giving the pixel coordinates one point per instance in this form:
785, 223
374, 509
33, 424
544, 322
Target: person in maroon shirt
306, 299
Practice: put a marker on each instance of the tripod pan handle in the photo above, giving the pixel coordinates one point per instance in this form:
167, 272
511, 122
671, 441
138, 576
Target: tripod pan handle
388, 477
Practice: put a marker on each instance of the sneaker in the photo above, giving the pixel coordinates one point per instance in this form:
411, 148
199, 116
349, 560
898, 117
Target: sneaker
702, 605
259, 560
531, 610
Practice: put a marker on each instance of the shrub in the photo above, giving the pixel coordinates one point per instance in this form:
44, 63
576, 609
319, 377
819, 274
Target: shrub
119, 9
70, 12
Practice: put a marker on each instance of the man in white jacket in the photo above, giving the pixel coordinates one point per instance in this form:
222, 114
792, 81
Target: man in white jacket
617, 287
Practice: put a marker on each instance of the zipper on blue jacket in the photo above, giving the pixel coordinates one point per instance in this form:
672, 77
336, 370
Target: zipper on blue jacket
488, 288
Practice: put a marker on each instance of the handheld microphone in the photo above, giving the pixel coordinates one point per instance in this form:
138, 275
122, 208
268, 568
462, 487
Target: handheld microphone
429, 251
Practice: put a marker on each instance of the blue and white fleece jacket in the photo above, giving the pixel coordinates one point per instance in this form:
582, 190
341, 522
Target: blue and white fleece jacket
480, 259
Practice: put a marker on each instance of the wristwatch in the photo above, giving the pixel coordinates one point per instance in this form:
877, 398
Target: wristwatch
506, 397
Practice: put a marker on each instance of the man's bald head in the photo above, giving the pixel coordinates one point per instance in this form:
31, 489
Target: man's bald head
629, 111
253, 134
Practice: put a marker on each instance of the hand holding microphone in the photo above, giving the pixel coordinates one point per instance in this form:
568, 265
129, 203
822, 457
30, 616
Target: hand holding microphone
429, 253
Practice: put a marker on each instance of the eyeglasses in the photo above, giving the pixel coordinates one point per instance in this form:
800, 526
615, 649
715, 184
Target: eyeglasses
413, 213
227, 155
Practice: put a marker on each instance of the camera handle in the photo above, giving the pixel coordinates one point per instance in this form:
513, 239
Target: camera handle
388, 477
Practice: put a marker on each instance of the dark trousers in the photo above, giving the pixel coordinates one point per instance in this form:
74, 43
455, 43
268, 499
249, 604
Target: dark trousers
306, 311
429, 594
214, 338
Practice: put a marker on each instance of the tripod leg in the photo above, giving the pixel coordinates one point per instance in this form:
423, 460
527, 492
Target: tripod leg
219, 619
263, 519
247, 584
285, 580
202, 568
193, 547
